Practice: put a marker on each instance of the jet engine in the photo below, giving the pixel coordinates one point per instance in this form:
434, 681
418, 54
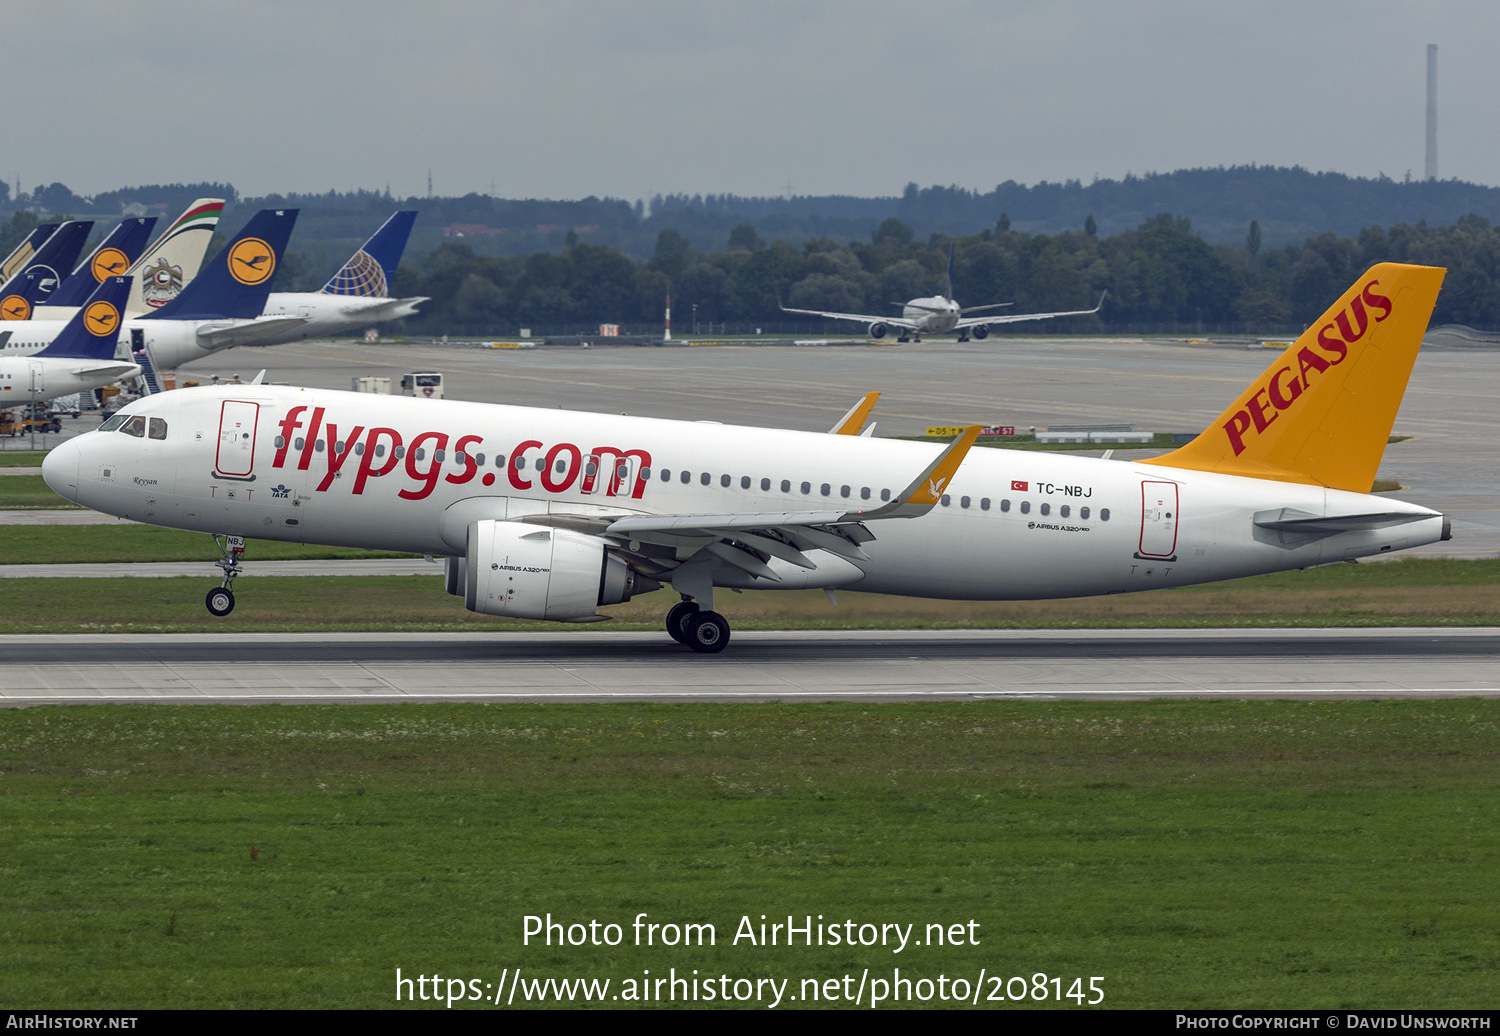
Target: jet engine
878, 330
980, 331
536, 572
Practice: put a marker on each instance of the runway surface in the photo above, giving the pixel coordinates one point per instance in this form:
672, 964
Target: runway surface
806, 666
167, 569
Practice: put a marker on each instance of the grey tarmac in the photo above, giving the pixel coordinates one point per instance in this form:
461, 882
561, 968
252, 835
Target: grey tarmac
874, 666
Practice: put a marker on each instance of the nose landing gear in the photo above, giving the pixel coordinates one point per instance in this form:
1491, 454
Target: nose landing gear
705, 632
220, 600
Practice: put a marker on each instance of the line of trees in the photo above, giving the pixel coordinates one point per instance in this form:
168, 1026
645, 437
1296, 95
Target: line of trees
1161, 276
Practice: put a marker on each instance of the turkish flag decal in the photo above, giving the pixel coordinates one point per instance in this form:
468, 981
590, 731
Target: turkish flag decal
1019, 487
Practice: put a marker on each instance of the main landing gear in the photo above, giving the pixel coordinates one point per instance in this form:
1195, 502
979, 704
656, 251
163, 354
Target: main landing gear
706, 632
220, 600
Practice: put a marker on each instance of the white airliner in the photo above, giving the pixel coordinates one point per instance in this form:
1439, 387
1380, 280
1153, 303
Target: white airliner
80, 359
548, 514
939, 314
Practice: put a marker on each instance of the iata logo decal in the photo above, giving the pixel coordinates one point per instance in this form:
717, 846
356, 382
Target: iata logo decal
280, 492
160, 283
109, 262
1286, 385
14, 307
101, 318
251, 261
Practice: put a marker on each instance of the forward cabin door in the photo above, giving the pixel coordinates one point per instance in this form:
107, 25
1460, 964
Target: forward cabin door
237, 425
1159, 519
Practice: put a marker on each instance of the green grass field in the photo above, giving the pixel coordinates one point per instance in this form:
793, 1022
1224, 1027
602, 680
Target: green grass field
1224, 854
1397, 593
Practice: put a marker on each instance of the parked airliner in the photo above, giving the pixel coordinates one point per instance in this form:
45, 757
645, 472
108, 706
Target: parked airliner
80, 359
550, 514
939, 314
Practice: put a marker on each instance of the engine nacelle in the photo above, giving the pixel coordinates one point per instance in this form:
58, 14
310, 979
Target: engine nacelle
878, 330
980, 331
535, 572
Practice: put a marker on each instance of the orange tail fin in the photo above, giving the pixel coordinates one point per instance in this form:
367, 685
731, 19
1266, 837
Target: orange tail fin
1321, 414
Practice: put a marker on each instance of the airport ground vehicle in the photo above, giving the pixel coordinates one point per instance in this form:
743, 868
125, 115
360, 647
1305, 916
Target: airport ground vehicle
551, 514
423, 384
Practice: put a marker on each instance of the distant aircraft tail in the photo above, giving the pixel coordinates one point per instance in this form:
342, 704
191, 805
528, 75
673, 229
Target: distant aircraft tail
116, 255
19, 303
948, 290
16, 261
171, 263
236, 282
371, 270
54, 260
93, 332
1322, 412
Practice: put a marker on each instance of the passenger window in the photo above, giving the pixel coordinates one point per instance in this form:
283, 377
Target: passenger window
984, 503
744, 481
946, 498
136, 426
724, 481
786, 485
1063, 510
765, 485
478, 457
864, 493
560, 466
359, 449
963, 501
666, 474
844, 492
1025, 506
645, 473
1104, 514
1046, 509
705, 478
885, 494
380, 451
806, 488
159, 428
301, 442
1083, 512
687, 476
1004, 506
400, 451
318, 447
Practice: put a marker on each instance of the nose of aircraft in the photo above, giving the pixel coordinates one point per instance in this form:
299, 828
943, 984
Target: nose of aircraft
60, 469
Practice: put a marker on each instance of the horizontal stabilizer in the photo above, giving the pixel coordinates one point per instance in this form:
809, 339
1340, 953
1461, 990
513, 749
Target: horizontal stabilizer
247, 333
1289, 519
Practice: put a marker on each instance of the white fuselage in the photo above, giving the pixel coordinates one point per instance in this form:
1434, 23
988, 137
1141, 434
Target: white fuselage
27, 378
935, 316
173, 343
1014, 525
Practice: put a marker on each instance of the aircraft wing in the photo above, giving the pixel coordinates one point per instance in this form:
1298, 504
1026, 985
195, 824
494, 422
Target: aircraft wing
863, 318
1012, 318
225, 336
746, 540
853, 422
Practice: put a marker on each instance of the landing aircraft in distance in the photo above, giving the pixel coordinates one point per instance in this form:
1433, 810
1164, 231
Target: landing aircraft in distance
939, 314
549, 514
80, 359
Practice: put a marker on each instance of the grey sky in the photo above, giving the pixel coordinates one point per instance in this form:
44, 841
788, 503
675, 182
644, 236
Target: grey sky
567, 98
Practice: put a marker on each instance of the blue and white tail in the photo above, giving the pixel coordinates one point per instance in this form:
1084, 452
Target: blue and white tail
16, 261
54, 260
371, 271
113, 258
237, 281
948, 290
94, 331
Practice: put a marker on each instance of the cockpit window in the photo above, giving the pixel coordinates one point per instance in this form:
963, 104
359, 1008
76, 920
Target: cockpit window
114, 422
135, 426
158, 428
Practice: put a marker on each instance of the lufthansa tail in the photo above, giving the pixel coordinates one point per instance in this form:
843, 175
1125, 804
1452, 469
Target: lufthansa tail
1321, 414
94, 329
112, 258
371, 271
237, 281
54, 260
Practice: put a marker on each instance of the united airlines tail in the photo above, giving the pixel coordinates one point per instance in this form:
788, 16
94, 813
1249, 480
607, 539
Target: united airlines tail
95, 329
16, 261
371, 270
948, 291
54, 260
113, 258
236, 282
1321, 413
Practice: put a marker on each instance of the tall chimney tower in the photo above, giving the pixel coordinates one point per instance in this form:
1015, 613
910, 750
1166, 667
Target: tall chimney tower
1431, 111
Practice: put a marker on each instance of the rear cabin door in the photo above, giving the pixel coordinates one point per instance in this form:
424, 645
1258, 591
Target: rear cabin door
1158, 519
237, 425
